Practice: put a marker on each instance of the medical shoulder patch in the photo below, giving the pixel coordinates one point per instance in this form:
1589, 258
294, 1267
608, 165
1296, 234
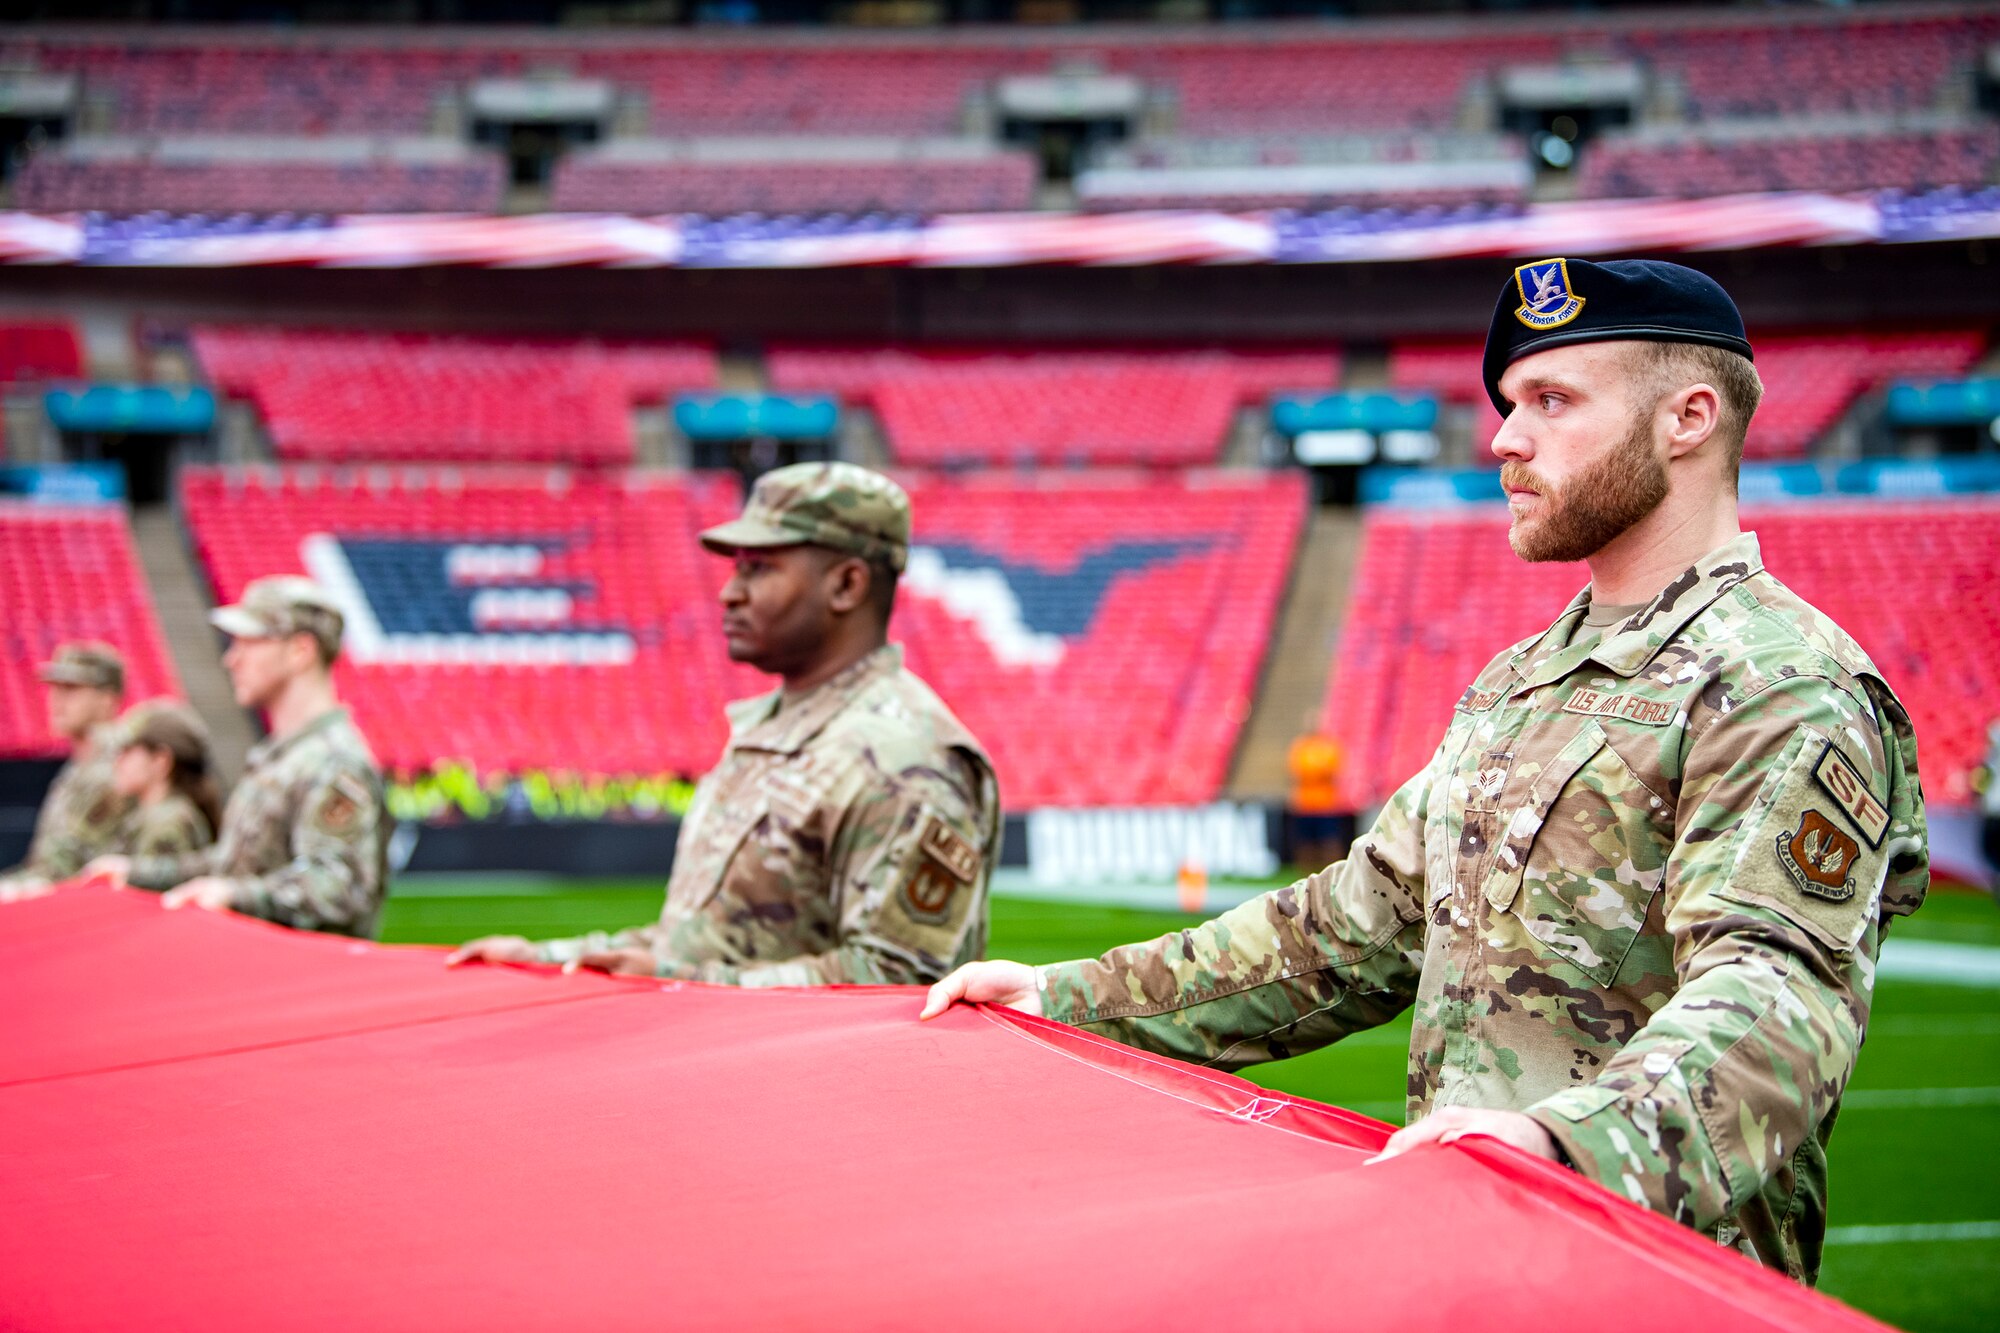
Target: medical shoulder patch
949, 848
1547, 300
1819, 857
1846, 785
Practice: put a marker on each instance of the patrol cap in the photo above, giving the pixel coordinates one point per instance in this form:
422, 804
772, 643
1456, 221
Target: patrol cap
164, 724
1559, 302
96, 665
271, 608
836, 505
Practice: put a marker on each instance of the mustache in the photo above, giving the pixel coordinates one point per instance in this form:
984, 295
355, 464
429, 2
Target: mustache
1518, 476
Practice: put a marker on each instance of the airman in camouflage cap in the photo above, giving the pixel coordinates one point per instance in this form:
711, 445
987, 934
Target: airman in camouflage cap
81, 815
849, 829
281, 605
840, 506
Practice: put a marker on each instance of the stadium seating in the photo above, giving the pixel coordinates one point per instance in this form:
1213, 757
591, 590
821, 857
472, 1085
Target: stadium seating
1279, 80
466, 182
1810, 379
349, 396
988, 405
69, 573
516, 619
888, 180
1810, 159
35, 350
1437, 594
1102, 635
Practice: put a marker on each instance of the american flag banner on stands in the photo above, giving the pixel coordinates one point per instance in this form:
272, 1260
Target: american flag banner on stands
1345, 235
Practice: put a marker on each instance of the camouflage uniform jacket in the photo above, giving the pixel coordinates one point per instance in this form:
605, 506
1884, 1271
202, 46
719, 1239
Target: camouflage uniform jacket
1637, 893
304, 837
80, 817
845, 836
168, 827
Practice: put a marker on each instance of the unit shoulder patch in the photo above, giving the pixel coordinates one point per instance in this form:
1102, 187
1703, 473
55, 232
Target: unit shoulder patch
927, 893
1846, 785
339, 811
1819, 857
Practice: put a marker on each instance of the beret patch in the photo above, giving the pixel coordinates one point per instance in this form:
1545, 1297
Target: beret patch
1561, 302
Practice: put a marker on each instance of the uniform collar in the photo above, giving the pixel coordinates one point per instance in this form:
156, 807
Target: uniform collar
1626, 648
272, 746
760, 723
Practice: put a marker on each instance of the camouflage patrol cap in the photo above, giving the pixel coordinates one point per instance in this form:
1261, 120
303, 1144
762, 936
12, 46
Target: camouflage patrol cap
836, 505
96, 665
283, 604
164, 724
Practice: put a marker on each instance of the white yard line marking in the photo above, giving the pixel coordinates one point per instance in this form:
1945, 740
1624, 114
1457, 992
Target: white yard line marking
1938, 961
1913, 1232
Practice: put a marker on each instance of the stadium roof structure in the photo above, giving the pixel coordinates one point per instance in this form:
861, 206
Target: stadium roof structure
549, 240
213, 1122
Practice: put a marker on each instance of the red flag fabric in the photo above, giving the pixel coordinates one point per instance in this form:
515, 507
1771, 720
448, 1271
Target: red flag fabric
208, 1122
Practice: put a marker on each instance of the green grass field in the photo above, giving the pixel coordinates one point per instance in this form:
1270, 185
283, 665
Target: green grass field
1916, 1162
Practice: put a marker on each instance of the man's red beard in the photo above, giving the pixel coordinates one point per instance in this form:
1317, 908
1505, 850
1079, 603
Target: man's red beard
1580, 516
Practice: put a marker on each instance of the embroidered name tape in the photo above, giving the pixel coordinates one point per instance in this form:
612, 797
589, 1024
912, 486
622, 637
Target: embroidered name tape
1628, 707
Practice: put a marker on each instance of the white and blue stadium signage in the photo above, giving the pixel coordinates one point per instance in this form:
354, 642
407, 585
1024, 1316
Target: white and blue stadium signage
418, 601
1025, 614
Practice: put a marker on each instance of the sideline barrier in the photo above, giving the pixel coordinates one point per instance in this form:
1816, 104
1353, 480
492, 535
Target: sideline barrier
206, 1121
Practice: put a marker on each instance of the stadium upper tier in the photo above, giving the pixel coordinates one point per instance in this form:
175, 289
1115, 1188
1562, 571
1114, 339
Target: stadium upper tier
1220, 81
794, 175
1436, 595
65, 574
1810, 379
340, 395
1102, 635
1788, 155
989, 405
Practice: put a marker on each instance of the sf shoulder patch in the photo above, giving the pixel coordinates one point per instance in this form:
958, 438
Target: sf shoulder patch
1846, 786
1819, 857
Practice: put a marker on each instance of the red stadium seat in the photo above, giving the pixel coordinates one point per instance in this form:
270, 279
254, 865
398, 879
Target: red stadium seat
69, 573
997, 183
32, 350
1436, 595
987, 405
348, 396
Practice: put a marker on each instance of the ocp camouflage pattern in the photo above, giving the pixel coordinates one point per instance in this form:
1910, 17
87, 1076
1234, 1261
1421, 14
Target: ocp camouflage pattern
80, 816
171, 826
845, 836
1637, 893
304, 837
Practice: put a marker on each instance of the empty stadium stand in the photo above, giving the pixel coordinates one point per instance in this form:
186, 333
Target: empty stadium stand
792, 175
513, 619
966, 405
1437, 594
1101, 634
206, 174
1810, 379
411, 397
69, 573
1787, 155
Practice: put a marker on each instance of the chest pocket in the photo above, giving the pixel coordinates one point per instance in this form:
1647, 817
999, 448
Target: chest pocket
709, 842
1582, 856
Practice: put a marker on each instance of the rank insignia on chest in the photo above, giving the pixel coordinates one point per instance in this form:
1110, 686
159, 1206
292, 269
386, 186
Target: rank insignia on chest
1819, 857
1547, 301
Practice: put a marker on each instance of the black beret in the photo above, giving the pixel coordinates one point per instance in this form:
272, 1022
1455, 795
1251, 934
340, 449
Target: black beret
1558, 302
